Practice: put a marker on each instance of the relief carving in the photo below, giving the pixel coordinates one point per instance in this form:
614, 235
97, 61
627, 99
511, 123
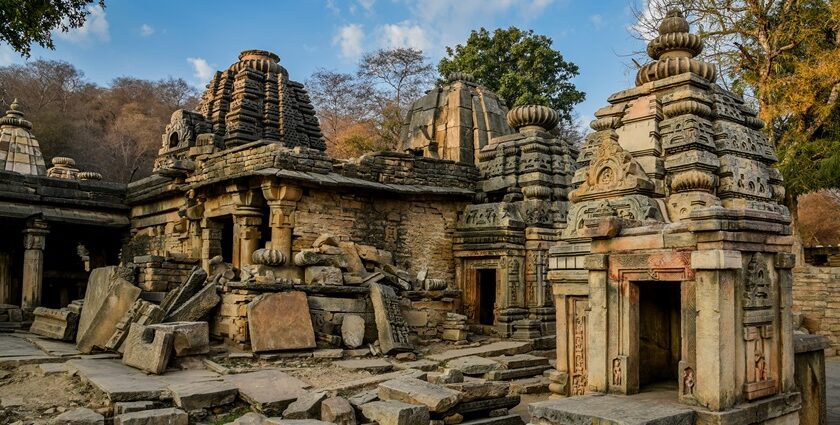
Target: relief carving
613, 171
579, 372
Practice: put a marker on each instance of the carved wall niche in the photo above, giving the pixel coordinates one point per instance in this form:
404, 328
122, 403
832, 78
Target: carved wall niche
759, 331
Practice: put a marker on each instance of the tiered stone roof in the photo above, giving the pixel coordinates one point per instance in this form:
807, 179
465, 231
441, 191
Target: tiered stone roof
19, 150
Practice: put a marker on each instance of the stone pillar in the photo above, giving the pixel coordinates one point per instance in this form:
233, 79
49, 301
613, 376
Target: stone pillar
282, 202
246, 234
596, 329
5, 277
715, 283
784, 263
34, 238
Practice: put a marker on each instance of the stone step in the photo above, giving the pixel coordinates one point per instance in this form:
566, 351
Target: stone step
594, 409
469, 407
519, 361
499, 348
501, 420
509, 374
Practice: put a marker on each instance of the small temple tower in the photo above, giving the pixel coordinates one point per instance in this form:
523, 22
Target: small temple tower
674, 272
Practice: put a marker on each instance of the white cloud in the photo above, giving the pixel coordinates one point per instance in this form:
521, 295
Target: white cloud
597, 21
8, 55
404, 34
146, 30
332, 7
95, 28
367, 4
203, 70
350, 39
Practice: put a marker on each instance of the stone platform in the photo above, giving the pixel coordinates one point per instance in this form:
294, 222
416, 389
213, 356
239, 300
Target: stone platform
643, 409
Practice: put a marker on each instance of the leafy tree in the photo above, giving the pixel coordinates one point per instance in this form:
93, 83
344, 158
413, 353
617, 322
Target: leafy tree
519, 66
23, 22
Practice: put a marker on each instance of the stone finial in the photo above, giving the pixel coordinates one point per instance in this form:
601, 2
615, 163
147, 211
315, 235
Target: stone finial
261, 60
673, 52
533, 117
460, 76
14, 117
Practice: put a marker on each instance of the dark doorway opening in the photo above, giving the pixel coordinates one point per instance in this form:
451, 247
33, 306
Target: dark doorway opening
486, 296
659, 332
227, 239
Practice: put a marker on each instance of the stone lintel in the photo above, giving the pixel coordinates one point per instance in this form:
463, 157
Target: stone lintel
596, 262
716, 259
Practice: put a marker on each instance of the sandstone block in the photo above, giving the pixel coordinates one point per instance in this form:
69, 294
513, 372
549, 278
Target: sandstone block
148, 348
55, 324
353, 330
338, 410
473, 365
390, 323
480, 390
178, 296
202, 394
250, 418
395, 413
80, 416
97, 289
168, 416
323, 275
190, 338
415, 391
196, 307
307, 406
280, 321
106, 302
132, 406
141, 312
268, 390
370, 365
448, 376
454, 334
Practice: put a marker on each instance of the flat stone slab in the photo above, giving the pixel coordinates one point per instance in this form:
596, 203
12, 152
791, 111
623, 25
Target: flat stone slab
15, 346
55, 348
519, 361
199, 389
499, 348
280, 321
168, 416
509, 374
502, 420
80, 416
414, 391
395, 413
268, 390
281, 421
480, 389
370, 365
118, 381
473, 365
52, 368
422, 364
610, 409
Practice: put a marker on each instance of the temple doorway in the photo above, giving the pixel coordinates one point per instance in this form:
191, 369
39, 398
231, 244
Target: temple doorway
486, 285
659, 332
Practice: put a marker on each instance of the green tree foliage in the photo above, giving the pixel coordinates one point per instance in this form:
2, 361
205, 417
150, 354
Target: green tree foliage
519, 66
23, 22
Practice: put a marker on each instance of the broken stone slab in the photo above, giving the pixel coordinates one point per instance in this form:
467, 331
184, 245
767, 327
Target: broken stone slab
337, 410
147, 348
167, 416
371, 380
390, 324
490, 350
415, 391
454, 335
519, 361
197, 307
281, 421
370, 365
486, 405
52, 368
307, 406
189, 338
80, 416
118, 381
56, 324
477, 389
395, 413
353, 330
323, 275
523, 372
328, 353
422, 364
354, 263
250, 418
132, 406
534, 385
268, 390
448, 376
308, 258
280, 321
141, 312
202, 394
362, 398
186, 290
108, 302
604, 409
473, 365
499, 420
324, 239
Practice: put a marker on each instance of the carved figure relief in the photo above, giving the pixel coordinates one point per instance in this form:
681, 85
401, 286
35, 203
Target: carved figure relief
613, 170
688, 381
616, 371
514, 284
579, 372
757, 283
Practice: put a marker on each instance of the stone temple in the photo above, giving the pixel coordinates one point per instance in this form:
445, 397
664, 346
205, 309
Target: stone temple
652, 264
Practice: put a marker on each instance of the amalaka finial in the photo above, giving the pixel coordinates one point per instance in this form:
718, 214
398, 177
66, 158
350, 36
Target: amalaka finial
15, 117
673, 52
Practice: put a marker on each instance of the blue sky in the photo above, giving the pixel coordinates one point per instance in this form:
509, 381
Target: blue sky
189, 39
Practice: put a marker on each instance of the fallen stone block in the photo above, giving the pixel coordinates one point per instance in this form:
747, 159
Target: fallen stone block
454, 335
509, 374
56, 324
197, 307
80, 416
118, 381
338, 410
202, 394
189, 338
395, 413
370, 365
178, 296
448, 376
250, 418
328, 353
494, 349
168, 416
52, 368
106, 302
480, 389
501, 420
142, 313
268, 390
390, 324
148, 348
415, 391
375, 379
362, 398
280, 321
486, 405
307, 406
132, 406
281, 421
473, 365
353, 330
535, 385
323, 275
422, 364
519, 361
308, 258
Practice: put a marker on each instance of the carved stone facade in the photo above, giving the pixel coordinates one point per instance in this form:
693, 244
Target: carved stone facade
677, 248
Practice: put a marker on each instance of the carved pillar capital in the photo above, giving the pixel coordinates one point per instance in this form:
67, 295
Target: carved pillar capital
273, 191
34, 235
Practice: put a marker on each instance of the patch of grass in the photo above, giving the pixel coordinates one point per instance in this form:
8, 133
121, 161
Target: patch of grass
229, 416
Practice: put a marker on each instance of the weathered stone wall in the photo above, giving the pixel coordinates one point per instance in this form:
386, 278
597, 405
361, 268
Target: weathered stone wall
425, 312
816, 295
159, 274
417, 232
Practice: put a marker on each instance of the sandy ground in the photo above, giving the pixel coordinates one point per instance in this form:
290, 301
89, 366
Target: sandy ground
28, 396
